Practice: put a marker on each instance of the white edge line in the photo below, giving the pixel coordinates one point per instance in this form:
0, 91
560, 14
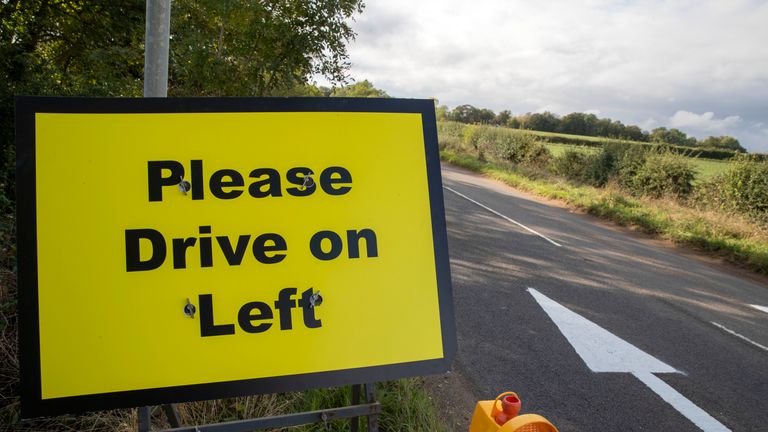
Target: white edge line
698, 416
760, 308
504, 217
742, 337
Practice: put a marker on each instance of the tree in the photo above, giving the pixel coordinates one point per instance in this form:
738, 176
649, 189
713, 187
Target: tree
362, 89
64, 48
731, 143
252, 47
725, 142
634, 133
603, 127
671, 136
659, 135
544, 122
578, 124
465, 114
502, 118
234, 47
485, 116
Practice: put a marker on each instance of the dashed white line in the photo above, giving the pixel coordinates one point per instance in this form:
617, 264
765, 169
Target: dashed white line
504, 217
742, 337
760, 308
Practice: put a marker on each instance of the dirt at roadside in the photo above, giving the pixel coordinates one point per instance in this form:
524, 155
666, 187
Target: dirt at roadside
454, 398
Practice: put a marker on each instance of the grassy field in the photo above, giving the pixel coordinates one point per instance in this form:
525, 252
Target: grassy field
707, 167
597, 140
558, 149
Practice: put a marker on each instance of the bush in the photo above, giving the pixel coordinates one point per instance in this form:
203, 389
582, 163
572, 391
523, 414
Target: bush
450, 129
536, 154
518, 148
449, 142
743, 187
601, 167
470, 136
595, 169
630, 163
663, 174
571, 164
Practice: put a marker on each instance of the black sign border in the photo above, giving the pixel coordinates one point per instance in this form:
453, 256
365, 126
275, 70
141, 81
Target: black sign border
32, 404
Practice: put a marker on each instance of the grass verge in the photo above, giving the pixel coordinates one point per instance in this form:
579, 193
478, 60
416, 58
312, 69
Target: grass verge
728, 236
406, 407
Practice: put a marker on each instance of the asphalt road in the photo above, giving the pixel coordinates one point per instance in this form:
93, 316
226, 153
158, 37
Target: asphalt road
683, 311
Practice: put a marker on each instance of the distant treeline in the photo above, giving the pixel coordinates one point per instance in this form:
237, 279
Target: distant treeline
586, 125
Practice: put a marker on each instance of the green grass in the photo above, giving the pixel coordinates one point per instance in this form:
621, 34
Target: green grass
558, 149
706, 168
596, 140
406, 406
724, 235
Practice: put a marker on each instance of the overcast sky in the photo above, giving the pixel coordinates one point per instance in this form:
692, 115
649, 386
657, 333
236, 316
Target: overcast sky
700, 66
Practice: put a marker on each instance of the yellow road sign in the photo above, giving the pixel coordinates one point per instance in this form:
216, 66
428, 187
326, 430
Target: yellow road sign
186, 249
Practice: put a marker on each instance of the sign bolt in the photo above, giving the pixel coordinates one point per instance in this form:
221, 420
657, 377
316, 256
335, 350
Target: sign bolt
315, 300
190, 309
309, 182
184, 186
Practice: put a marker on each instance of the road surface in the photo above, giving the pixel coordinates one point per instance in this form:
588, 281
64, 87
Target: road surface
523, 268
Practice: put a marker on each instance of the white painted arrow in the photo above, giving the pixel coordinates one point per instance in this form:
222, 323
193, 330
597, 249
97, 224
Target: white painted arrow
603, 351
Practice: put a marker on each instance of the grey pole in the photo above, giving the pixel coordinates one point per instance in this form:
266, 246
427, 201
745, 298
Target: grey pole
156, 38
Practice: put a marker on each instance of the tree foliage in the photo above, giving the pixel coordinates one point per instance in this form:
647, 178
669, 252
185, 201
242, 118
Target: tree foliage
248, 47
725, 142
217, 47
672, 136
363, 89
472, 115
52, 47
545, 122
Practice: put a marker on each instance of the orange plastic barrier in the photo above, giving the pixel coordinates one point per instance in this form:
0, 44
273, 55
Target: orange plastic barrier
486, 413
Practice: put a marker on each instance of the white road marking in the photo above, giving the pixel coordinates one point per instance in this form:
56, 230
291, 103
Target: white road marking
742, 337
760, 308
504, 217
602, 351
698, 416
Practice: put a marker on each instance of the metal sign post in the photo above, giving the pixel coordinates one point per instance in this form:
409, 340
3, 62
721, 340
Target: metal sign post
156, 48
369, 409
157, 35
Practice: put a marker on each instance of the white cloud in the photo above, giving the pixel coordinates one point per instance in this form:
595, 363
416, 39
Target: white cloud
629, 60
704, 122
